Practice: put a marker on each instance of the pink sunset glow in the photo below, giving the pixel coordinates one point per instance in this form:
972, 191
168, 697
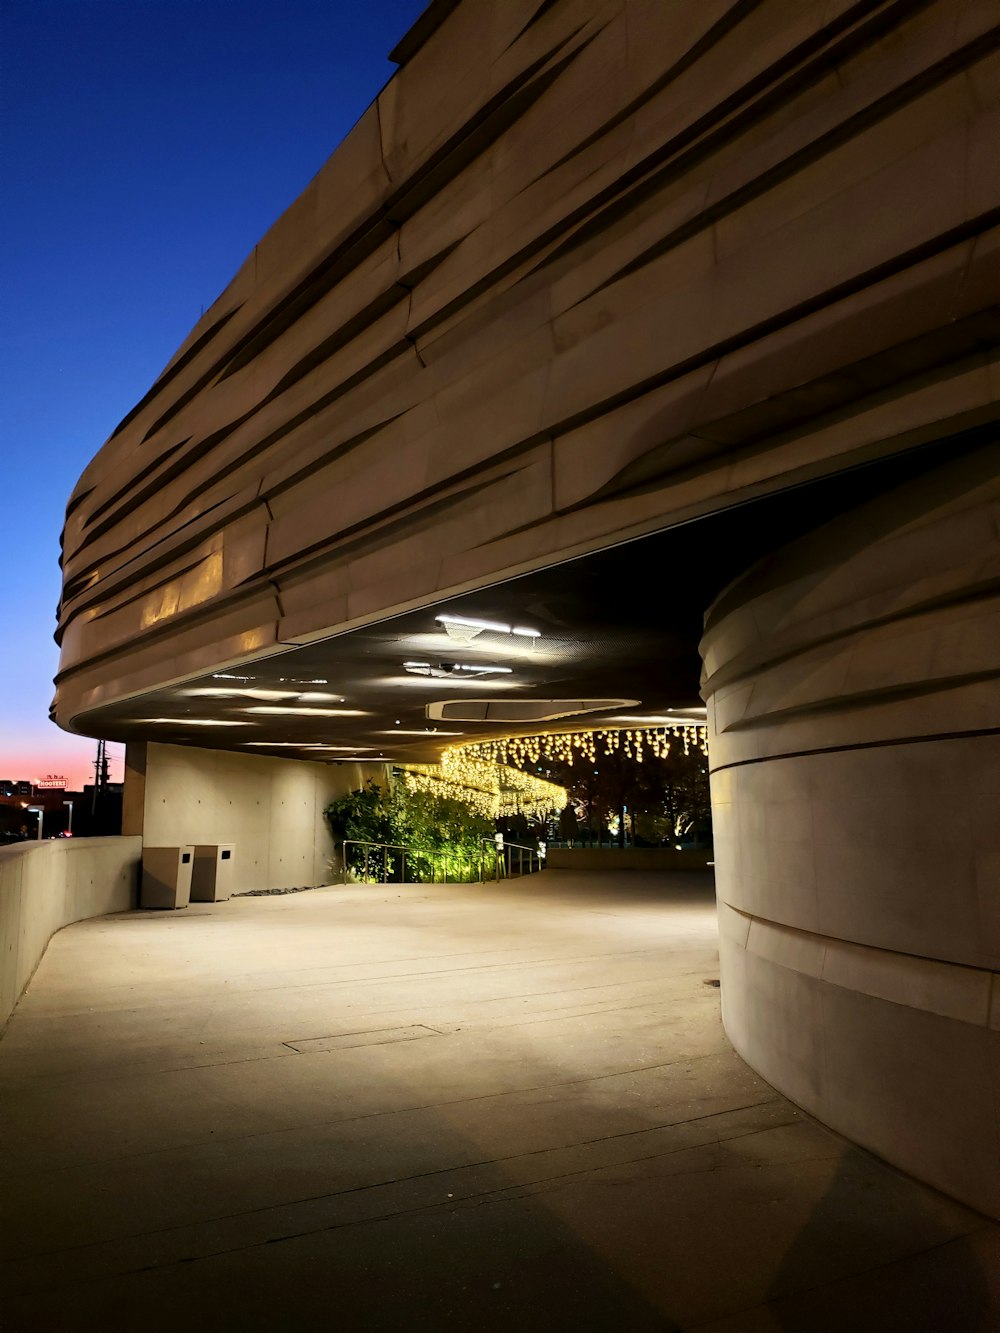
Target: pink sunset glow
71, 757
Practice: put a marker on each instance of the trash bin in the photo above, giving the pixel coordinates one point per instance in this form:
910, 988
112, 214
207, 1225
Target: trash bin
166, 877
212, 876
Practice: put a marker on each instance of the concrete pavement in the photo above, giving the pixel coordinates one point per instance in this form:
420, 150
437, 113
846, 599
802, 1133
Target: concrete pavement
411, 1107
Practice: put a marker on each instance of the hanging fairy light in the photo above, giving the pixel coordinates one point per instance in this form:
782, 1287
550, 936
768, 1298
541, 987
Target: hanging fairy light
636, 743
491, 789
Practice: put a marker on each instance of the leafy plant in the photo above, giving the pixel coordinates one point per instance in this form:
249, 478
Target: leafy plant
443, 836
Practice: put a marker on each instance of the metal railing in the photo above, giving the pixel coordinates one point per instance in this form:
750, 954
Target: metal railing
391, 863
514, 859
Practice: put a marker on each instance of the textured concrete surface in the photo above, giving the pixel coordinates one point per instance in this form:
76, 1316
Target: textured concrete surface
855, 764
45, 886
500, 1107
581, 271
270, 809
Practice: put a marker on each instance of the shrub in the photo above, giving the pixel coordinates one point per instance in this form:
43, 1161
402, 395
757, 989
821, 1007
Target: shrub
442, 834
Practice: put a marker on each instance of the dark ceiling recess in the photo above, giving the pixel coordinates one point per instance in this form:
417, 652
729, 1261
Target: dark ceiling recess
618, 628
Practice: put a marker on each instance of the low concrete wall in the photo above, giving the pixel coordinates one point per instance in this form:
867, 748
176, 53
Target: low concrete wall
627, 858
47, 885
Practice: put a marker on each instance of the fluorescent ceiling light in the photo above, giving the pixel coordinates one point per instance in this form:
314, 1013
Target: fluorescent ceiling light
518, 710
671, 718
225, 675
352, 749
266, 696
294, 680
450, 670
235, 692
411, 680
464, 628
195, 721
434, 645
428, 733
307, 745
285, 710
467, 623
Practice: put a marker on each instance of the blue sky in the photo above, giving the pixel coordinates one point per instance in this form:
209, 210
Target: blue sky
145, 146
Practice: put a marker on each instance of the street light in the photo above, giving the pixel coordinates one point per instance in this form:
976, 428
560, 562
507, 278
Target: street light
38, 810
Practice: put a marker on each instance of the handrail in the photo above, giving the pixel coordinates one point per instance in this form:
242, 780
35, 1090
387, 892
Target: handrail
535, 857
503, 860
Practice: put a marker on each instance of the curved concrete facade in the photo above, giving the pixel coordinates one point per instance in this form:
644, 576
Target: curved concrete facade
582, 271
596, 270
852, 683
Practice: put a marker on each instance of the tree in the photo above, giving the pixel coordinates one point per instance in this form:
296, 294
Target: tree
658, 800
442, 836
568, 825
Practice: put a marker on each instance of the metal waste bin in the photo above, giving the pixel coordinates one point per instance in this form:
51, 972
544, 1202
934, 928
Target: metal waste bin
166, 877
212, 876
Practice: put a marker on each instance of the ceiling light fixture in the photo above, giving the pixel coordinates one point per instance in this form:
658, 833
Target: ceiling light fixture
233, 692
364, 759
428, 733
463, 629
307, 745
194, 722
446, 670
284, 710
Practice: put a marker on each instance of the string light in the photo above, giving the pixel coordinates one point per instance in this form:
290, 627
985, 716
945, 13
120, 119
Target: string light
568, 746
491, 789
489, 776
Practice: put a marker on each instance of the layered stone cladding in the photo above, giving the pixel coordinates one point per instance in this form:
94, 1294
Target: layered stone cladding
582, 270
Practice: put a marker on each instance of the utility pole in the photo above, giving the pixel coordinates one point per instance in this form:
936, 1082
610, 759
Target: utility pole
100, 773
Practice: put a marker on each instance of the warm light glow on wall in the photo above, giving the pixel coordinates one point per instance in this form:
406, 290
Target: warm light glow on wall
187, 590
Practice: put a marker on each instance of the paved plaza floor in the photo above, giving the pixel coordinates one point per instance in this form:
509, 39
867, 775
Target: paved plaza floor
414, 1108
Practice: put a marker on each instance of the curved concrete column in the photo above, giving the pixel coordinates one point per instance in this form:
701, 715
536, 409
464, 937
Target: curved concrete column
854, 710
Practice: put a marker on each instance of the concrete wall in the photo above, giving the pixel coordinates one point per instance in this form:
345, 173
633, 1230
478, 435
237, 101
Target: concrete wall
852, 684
270, 809
47, 885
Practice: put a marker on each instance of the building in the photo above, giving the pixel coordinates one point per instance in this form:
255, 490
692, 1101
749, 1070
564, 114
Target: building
617, 335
